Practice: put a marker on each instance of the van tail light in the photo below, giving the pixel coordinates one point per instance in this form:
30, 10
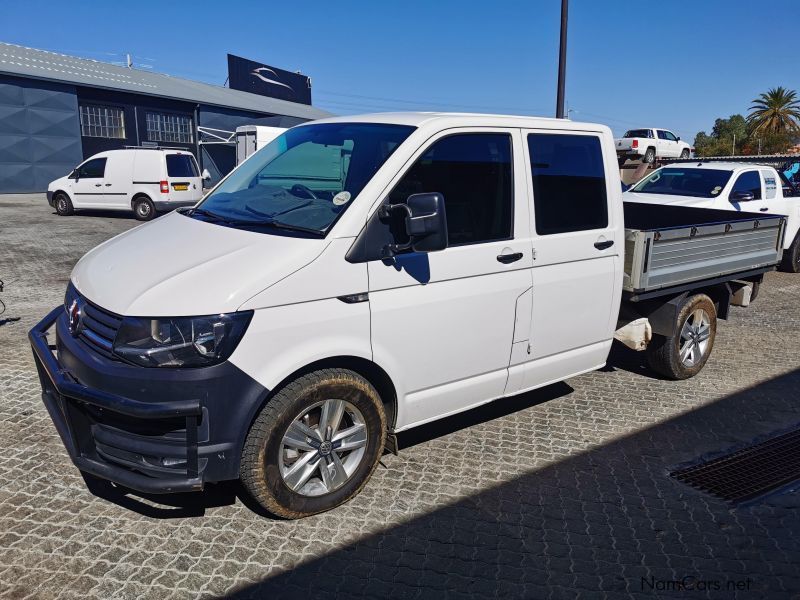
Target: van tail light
635, 143
165, 187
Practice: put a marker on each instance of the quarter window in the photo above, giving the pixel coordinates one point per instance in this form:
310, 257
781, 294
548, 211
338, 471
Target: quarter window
473, 173
748, 182
102, 121
569, 184
166, 127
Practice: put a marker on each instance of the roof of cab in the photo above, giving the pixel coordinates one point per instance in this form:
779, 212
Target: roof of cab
445, 119
718, 164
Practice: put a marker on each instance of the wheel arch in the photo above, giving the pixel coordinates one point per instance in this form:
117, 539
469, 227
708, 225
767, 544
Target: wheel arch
368, 369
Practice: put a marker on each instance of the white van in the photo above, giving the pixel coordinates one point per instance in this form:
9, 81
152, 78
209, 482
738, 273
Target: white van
144, 180
363, 275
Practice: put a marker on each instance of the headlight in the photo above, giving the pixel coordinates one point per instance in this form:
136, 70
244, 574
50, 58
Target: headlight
180, 341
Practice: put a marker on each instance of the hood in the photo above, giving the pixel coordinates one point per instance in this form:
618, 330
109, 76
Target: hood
178, 266
668, 199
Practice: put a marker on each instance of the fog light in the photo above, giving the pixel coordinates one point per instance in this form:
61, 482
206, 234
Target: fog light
172, 462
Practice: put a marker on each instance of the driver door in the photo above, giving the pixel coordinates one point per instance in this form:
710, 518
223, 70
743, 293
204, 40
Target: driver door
443, 322
88, 189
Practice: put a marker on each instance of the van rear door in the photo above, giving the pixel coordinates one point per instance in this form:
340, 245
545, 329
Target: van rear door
183, 178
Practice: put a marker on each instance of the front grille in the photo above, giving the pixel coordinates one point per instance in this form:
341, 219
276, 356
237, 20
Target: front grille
99, 329
749, 473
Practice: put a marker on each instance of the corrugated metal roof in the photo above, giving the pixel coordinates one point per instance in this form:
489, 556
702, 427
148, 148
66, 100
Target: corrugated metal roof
41, 64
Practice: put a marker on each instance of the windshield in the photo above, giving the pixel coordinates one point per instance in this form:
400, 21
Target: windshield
305, 178
638, 133
698, 183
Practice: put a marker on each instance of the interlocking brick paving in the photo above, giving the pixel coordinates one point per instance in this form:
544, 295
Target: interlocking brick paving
561, 493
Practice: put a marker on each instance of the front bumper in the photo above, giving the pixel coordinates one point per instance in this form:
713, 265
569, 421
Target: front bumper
50, 197
150, 430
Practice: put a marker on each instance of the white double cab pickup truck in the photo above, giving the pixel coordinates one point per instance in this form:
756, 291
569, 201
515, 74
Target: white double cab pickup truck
648, 145
741, 187
143, 180
363, 275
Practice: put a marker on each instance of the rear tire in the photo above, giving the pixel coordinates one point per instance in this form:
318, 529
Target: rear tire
684, 354
143, 209
791, 257
291, 464
649, 156
63, 204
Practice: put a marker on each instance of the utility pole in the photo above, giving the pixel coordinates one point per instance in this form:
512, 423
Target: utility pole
129, 60
733, 147
562, 61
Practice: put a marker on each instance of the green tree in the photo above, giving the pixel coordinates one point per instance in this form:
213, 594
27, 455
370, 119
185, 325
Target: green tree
721, 140
775, 112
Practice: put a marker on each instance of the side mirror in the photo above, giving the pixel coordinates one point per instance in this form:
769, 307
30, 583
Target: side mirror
678, 138
741, 197
425, 224
73, 175
206, 175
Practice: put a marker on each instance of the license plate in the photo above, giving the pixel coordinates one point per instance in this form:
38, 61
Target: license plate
180, 187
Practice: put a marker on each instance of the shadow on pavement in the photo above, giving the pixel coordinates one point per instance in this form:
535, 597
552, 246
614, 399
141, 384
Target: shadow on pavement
608, 522
177, 506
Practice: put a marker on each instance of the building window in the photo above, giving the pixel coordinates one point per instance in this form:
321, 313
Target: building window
102, 121
165, 127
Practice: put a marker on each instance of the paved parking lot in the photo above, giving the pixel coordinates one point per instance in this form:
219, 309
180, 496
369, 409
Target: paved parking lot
561, 493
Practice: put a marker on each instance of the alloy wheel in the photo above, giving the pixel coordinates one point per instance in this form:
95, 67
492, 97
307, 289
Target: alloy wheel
322, 447
695, 335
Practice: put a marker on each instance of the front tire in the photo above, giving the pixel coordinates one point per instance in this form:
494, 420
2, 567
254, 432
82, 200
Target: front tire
315, 444
63, 204
684, 354
143, 209
791, 257
685, 154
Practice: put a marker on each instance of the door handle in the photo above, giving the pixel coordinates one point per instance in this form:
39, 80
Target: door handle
765, 209
108, 185
509, 258
604, 244
96, 185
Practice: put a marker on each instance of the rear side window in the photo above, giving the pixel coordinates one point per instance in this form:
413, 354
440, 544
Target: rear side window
770, 185
181, 165
92, 169
569, 184
748, 182
473, 173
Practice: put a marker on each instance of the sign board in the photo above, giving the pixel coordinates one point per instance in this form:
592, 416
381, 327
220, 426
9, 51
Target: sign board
258, 78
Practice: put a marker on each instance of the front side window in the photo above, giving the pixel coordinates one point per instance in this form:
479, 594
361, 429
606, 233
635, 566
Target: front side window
473, 173
569, 183
102, 121
305, 178
748, 182
670, 136
674, 181
168, 127
92, 169
181, 165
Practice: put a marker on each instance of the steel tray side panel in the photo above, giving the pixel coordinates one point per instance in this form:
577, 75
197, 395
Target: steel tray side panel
681, 259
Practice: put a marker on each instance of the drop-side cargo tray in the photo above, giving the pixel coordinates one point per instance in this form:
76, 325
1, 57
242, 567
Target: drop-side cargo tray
674, 245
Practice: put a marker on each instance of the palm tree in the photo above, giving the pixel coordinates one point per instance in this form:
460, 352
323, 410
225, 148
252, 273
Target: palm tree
777, 111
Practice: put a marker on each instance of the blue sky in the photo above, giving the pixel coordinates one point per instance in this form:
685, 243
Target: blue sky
675, 64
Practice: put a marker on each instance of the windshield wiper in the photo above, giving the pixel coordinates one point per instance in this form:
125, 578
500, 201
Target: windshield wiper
207, 213
276, 225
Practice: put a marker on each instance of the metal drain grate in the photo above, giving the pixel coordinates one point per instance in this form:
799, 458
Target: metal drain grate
748, 473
